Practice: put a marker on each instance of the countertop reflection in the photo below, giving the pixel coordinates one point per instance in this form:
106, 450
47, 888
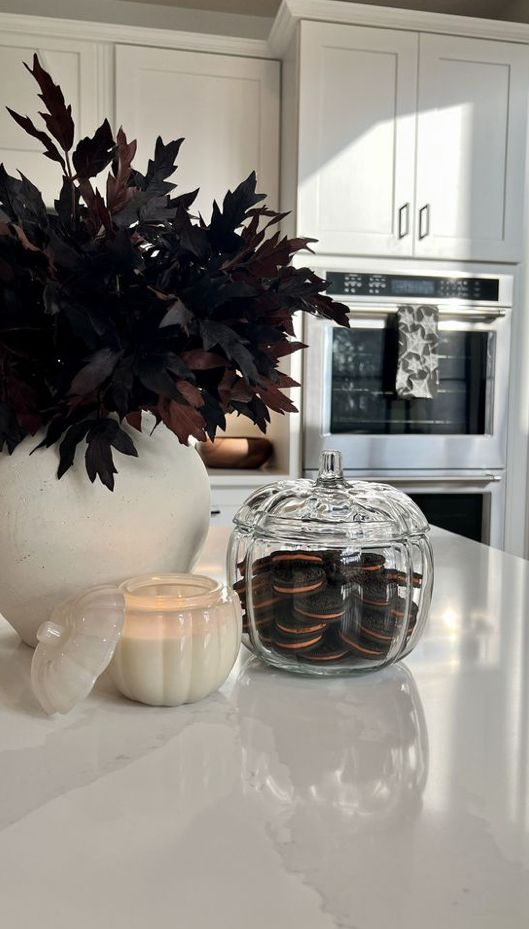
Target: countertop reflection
395, 799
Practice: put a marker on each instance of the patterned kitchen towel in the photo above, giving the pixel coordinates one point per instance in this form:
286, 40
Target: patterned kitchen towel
418, 362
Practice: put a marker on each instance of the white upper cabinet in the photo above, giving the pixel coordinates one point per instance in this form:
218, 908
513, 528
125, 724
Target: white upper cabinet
226, 108
357, 139
74, 66
470, 148
411, 144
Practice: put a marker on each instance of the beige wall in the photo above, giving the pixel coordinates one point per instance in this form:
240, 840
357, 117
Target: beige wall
150, 14
517, 10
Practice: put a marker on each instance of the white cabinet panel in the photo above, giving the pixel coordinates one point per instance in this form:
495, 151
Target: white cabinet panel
73, 65
357, 138
226, 107
470, 148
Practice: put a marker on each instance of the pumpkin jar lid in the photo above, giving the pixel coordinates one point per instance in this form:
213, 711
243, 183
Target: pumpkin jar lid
75, 646
331, 509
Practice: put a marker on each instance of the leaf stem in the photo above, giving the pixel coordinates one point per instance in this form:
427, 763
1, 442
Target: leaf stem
72, 183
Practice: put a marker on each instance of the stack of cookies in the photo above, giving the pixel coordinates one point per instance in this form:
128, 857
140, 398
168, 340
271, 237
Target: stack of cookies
322, 607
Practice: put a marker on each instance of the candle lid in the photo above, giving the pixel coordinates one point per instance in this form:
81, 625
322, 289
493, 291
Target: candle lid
75, 646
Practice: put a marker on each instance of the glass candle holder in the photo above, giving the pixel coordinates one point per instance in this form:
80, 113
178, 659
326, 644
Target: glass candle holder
179, 641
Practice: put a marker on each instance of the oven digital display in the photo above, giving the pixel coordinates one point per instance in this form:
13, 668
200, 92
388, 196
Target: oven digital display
413, 287
432, 287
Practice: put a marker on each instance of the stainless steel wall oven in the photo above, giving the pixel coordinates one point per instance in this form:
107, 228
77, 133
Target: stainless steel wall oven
350, 402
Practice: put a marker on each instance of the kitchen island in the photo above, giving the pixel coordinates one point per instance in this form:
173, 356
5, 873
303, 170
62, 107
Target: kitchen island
398, 799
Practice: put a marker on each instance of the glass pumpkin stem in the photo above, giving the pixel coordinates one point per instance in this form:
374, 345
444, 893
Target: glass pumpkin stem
331, 467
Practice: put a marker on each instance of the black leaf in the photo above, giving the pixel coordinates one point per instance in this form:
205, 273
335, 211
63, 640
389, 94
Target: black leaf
157, 210
11, 433
102, 437
123, 442
94, 153
213, 414
214, 333
53, 433
50, 149
93, 374
155, 369
195, 240
67, 201
99, 459
68, 446
178, 315
58, 119
159, 381
234, 208
161, 167
22, 200
50, 296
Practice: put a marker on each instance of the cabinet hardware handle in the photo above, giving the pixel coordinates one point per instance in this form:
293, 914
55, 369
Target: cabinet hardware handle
215, 512
404, 220
424, 221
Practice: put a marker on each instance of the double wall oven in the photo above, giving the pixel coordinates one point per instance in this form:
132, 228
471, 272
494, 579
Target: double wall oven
449, 452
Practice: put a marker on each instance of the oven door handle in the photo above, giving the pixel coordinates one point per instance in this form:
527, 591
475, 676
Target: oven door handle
380, 310
448, 479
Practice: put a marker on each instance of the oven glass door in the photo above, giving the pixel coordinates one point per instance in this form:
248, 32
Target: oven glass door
362, 386
357, 410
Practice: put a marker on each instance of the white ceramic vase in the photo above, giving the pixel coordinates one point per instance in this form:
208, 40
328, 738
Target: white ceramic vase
58, 538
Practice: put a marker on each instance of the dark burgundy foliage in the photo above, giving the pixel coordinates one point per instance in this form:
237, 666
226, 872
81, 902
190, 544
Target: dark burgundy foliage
125, 302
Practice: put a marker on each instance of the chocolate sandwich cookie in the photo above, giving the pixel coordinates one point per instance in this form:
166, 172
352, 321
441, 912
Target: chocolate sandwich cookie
401, 578
298, 559
361, 648
293, 580
261, 566
398, 608
266, 635
258, 566
299, 644
372, 561
342, 568
377, 626
331, 648
240, 588
261, 586
289, 626
263, 617
377, 592
327, 653
326, 606
264, 605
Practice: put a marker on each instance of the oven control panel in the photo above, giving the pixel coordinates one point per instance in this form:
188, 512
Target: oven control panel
413, 287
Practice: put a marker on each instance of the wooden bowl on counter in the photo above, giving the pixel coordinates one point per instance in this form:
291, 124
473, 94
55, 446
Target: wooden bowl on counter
235, 453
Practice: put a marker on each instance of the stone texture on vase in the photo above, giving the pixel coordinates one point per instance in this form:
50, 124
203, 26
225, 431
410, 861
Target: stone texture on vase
58, 538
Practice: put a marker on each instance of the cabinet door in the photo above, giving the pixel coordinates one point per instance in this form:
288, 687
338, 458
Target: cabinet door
73, 65
357, 139
226, 108
471, 148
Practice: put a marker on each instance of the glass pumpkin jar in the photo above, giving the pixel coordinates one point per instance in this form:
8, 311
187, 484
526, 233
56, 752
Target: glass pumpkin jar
333, 576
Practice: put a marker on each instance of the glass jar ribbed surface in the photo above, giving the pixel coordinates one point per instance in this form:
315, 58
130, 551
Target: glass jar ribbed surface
334, 576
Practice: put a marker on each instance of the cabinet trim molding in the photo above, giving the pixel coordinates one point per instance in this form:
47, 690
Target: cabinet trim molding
133, 35
359, 14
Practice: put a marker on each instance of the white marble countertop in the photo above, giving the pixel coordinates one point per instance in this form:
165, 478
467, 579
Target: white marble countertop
398, 800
